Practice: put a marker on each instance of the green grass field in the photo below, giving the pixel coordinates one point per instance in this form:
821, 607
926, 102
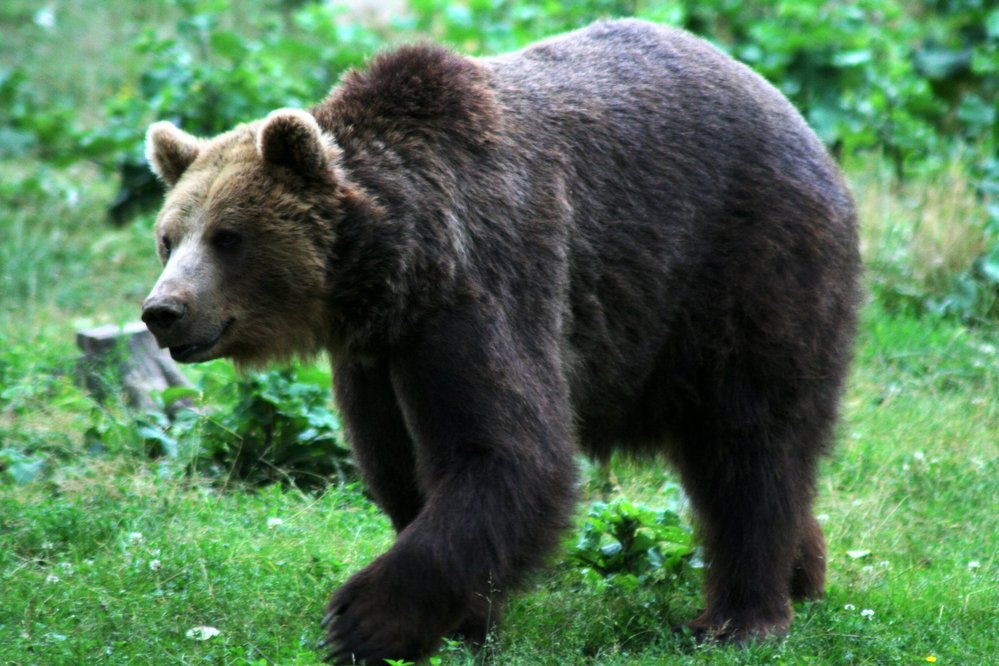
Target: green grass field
110, 562
108, 556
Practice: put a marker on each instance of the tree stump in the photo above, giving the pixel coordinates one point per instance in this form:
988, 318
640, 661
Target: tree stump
128, 356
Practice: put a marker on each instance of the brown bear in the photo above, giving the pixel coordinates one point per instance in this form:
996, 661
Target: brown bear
615, 239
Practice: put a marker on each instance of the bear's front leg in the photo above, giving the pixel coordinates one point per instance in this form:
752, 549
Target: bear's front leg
489, 417
397, 607
383, 449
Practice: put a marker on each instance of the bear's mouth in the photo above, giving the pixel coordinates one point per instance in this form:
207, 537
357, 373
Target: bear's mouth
187, 353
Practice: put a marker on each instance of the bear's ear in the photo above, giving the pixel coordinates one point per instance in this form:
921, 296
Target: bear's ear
170, 151
293, 139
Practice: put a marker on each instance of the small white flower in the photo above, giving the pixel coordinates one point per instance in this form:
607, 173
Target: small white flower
67, 567
202, 633
974, 564
857, 554
135, 537
867, 612
849, 607
52, 578
919, 455
822, 518
154, 565
48, 545
45, 18
274, 522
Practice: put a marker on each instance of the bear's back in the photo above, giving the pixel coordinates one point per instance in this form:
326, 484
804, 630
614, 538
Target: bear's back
644, 91
698, 196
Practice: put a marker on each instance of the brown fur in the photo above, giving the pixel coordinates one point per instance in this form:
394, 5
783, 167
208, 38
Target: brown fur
618, 238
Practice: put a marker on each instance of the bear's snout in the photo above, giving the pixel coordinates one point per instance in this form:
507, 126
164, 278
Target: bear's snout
161, 313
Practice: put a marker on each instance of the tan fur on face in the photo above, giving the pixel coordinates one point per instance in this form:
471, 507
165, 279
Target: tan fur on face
267, 294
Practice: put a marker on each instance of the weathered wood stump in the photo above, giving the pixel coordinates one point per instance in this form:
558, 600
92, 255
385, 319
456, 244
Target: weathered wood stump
128, 355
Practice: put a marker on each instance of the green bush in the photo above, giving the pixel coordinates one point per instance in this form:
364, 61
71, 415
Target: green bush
874, 73
628, 545
263, 427
19, 467
32, 122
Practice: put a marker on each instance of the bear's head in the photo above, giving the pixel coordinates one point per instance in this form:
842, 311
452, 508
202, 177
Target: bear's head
244, 236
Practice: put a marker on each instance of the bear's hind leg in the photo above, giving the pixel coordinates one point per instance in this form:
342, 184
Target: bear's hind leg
808, 575
750, 489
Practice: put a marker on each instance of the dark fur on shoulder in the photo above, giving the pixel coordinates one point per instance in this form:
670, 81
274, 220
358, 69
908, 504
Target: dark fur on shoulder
414, 93
616, 239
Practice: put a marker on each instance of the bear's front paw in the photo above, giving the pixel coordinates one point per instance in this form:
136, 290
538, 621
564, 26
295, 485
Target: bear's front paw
379, 615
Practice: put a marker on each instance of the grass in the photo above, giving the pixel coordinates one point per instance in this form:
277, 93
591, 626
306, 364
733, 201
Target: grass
911, 491
110, 557
125, 564
907, 500
918, 235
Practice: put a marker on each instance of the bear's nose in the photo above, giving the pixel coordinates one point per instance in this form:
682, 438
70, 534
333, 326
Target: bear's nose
161, 314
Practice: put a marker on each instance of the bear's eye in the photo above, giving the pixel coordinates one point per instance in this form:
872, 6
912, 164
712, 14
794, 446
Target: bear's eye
225, 240
167, 248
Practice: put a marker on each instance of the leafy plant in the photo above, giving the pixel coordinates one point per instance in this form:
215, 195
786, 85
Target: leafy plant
19, 467
268, 426
29, 122
628, 545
